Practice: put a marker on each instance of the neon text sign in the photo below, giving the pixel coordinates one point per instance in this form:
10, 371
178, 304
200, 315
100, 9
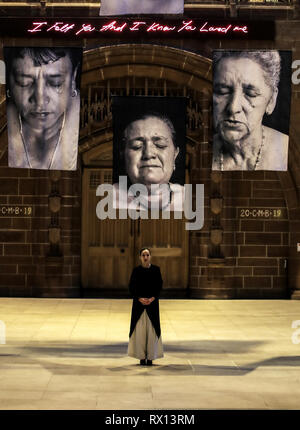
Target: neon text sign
139, 28
188, 26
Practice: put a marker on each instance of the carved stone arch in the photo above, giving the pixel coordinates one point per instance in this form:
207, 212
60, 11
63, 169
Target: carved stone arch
103, 63
141, 70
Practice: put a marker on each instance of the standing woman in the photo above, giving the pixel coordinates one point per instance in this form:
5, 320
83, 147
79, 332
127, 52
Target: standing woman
145, 336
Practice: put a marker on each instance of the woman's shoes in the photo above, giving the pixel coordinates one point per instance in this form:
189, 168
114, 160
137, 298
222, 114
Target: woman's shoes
146, 363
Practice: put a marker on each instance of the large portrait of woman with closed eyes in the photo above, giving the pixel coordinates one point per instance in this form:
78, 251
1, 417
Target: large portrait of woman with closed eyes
149, 149
251, 110
43, 106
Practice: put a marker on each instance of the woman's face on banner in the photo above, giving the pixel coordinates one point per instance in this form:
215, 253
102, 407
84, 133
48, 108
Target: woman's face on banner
240, 98
149, 152
41, 93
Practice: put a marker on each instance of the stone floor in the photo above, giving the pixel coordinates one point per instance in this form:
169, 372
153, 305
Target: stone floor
71, 354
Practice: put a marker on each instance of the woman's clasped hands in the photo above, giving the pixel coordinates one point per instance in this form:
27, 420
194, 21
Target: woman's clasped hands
146, 301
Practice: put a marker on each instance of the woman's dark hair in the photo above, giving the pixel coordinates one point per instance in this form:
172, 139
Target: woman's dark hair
143, 249
40, 56
167, 111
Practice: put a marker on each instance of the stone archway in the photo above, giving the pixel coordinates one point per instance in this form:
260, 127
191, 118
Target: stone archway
138, 66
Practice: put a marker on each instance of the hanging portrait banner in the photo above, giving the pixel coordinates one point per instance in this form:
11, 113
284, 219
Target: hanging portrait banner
251, 109
43, 106
149, 150
135, 7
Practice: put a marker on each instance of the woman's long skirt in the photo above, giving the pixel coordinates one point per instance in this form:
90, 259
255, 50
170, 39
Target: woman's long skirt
144, 343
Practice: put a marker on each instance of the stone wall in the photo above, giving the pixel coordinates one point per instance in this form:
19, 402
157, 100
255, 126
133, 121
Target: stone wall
256, 258
29, 265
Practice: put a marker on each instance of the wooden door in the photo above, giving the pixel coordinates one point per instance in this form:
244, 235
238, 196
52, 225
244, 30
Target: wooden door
107, 245
110, 247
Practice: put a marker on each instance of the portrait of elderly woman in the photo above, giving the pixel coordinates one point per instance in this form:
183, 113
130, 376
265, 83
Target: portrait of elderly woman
131, 7
149, 151
43, 104
251, 107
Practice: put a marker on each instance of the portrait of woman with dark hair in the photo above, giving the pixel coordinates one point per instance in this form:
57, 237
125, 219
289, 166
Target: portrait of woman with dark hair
43, 104
246, 87
150, 152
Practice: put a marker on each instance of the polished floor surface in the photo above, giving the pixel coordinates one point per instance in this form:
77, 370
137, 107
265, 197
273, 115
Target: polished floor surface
218, 354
